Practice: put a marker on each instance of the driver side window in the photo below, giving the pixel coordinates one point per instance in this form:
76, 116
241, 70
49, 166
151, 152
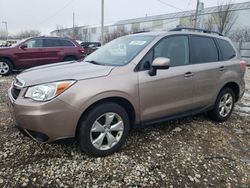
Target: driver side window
34, 43
175, 48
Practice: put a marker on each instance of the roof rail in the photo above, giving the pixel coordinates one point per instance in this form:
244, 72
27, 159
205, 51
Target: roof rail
137, 32
195, 29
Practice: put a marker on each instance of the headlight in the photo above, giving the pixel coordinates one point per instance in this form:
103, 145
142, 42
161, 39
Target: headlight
48, 91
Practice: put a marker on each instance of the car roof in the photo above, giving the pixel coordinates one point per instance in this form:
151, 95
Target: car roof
51, 37
166, 33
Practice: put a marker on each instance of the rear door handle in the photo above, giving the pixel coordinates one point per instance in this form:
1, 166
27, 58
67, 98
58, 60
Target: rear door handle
222, 68
188, 75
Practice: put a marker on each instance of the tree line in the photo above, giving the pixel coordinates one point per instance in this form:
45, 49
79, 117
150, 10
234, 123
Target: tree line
20, 35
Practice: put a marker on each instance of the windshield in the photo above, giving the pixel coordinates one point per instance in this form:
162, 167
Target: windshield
119, 51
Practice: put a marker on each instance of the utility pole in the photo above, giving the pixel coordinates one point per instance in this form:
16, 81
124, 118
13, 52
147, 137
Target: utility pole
102, 23
6, 27
74, 25
196, 13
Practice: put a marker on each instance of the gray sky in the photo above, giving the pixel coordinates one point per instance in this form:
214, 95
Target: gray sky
45, 15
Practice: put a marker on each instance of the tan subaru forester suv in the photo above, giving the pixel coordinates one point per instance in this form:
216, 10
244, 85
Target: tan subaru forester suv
137, 79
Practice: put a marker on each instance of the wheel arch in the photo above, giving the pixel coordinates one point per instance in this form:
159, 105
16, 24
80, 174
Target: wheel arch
8, 58
235, 87
123, 102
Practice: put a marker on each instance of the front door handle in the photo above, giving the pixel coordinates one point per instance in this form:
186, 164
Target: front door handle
222, 68
188, 75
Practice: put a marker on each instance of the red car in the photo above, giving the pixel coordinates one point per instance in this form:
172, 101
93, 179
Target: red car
38, 51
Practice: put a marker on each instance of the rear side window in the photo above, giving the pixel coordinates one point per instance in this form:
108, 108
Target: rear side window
51, 43
226, 49
66, 43
203, 50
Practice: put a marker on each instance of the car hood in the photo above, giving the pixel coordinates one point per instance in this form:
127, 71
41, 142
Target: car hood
4, 48
74, 70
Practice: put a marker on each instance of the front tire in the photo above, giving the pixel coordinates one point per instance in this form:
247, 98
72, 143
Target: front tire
223, 106
103, 130
6, 67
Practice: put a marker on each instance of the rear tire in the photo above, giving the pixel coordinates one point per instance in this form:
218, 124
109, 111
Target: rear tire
6, 67
223, 106
104, 129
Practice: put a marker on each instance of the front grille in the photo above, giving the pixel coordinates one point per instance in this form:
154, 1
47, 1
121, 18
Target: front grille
15, 92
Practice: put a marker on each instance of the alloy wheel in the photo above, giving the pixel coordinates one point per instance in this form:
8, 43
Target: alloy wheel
106, 131
4, 68
226, 104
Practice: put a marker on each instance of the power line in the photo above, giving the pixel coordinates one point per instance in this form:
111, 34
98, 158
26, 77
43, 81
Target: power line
172, 6
57, 12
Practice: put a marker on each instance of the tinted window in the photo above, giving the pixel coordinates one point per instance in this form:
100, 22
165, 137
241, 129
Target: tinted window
34, 43
66, 43
84, 44
90, 44
51, 42
226, 49
175, 48
95, 44
204, 50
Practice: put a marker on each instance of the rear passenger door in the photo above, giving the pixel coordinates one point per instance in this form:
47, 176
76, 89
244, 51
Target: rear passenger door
208, 70
51, 49
68, 48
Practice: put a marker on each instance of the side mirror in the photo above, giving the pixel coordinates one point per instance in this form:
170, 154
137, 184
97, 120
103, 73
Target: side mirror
24, 46
159, 63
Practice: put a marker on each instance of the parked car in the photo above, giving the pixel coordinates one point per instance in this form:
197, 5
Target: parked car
38, 51
90, 47
10, 43
136, 79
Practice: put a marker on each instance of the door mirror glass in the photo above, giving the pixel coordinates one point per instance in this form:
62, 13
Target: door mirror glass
24, 46
159, 63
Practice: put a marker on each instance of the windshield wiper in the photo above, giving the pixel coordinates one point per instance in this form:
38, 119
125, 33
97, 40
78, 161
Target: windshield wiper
94, 62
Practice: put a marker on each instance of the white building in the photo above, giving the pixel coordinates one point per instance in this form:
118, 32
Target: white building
159, 22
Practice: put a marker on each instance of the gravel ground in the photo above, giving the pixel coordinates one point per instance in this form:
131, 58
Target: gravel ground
190, 152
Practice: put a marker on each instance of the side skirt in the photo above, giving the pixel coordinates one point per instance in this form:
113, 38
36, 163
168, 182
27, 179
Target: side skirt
147, 123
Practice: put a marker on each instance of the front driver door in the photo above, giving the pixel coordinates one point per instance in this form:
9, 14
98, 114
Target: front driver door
170, 92
32, 55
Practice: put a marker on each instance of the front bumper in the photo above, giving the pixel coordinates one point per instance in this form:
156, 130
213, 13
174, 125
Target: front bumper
44, 121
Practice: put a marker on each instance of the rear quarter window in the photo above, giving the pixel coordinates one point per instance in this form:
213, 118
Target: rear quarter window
227, 51
67, 43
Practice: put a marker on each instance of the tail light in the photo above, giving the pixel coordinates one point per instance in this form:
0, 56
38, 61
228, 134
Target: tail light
243, 65
82, 50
